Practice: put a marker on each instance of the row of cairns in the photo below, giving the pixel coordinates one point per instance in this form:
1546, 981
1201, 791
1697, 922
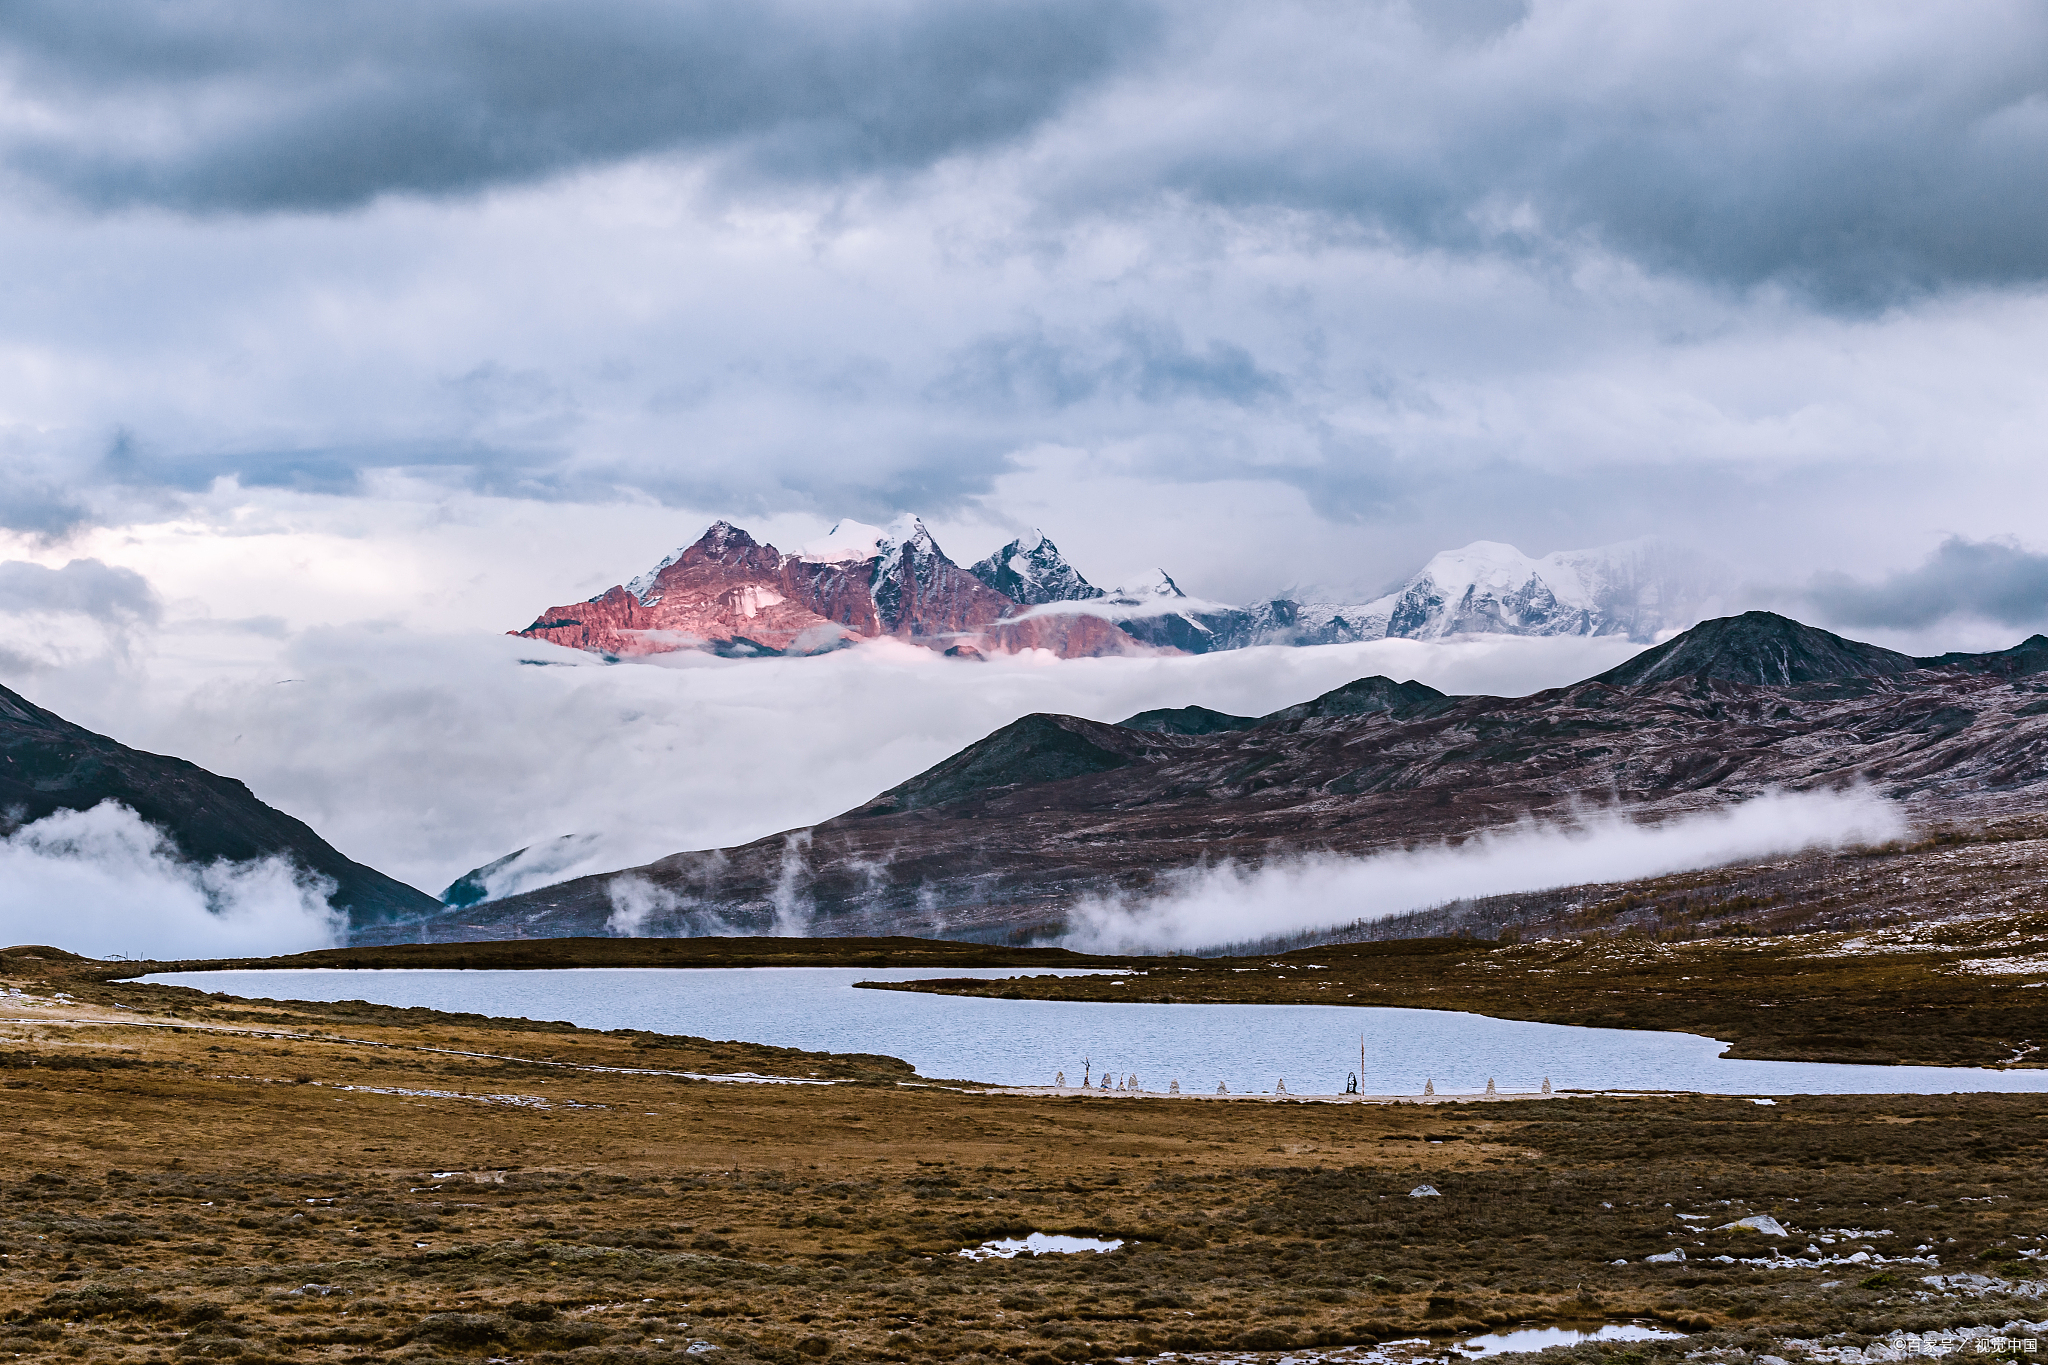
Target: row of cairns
1429, 1088
1129, 1085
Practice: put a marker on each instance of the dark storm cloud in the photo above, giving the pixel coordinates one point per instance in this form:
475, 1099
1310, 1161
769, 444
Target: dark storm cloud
1986, 579
85, 586
1858, 154
252, 108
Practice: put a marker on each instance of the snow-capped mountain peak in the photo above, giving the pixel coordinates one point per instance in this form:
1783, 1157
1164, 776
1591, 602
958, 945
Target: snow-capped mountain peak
1488, 586
852, 542
718, 538
907, 531
1146, 588
727, 592
1030, 570
904, 537
1633, 588
848, 542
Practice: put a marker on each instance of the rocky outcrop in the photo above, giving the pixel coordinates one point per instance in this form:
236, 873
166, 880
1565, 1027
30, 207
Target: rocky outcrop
1001, 839
731, 595
48, 764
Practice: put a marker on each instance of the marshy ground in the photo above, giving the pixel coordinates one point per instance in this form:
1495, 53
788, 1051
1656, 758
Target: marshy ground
189, 1176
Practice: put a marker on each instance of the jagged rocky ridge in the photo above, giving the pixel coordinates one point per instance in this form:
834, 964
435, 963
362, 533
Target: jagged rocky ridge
999, 840
48, 764
729, 594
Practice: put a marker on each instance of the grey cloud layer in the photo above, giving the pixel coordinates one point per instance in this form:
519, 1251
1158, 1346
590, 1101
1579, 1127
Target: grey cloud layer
1408, 275
252, 108
1139, 358
1855, 153
86, 586
1859, 153
1986, 579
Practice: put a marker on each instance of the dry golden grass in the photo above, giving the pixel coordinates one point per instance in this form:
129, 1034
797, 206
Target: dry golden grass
200, 1177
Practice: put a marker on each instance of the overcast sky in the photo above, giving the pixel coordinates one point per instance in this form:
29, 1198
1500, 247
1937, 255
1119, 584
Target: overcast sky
448, 313
337, 339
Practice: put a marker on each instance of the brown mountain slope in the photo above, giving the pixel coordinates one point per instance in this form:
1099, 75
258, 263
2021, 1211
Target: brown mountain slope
1002, 838
48, 764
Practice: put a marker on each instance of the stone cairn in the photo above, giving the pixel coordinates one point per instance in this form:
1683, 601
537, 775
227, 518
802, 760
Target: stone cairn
1546, 1085
1173, 1087
1490, 1091
1429, 1087
1280, 1086
1222, 1089
1105, 1080
1060, 1080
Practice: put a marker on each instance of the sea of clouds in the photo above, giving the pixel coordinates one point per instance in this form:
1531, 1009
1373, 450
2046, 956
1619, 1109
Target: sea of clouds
429, 754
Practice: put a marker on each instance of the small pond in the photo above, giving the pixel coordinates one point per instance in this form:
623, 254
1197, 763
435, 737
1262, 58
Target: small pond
1543, 1338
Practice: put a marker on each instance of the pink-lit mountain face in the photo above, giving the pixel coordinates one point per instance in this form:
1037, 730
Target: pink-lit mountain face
732, 595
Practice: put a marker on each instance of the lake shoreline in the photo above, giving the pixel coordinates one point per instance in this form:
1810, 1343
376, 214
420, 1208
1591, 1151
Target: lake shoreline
203, 1174
1915, 994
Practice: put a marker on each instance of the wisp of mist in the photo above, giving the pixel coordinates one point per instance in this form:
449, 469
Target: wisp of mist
1228, 903
104, 882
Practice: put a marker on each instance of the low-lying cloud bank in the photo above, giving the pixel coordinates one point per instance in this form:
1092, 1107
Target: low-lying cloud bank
1208, 907
428, 755
104, 882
